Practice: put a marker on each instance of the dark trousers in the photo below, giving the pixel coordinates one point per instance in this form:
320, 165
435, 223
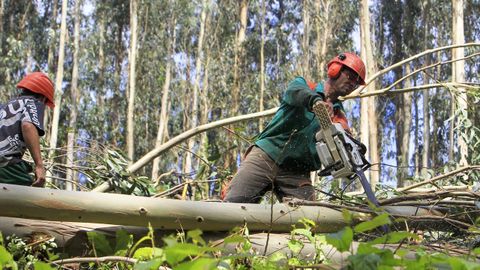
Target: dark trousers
258, 174
17, 174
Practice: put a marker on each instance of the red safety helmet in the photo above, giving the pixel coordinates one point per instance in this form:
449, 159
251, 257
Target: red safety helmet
38, 82
350, 60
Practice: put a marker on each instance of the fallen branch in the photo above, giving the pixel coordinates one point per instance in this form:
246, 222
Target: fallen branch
433, 189
460, 224
294, 203
192, 132
432, 180
374, 76
436, 202
96, 260
436, 195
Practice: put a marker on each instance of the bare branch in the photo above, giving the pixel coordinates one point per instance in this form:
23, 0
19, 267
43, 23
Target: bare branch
372, 78
96, 260
192, 132
430, 181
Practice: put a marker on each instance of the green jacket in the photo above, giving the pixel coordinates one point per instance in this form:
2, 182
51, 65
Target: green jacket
289, 138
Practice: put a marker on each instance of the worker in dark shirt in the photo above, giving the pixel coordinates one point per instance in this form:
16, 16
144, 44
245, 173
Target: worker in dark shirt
21, 125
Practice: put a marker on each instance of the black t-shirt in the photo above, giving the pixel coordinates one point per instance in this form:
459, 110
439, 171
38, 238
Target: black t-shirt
12, 114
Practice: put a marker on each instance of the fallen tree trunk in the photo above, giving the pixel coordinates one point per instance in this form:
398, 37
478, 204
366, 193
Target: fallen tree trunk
168, 214
70, 237
165, 214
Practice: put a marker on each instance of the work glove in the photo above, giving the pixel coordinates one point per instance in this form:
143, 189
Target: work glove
317, 103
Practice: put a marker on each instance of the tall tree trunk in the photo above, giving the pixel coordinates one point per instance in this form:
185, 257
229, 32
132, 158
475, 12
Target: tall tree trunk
116, 133
416, 132
323, 28
400, 121
407, 124
58, 84
69, 185
262, 62
196, 86
238, 64
426, 96
306, 40
165, 108
132, 80
50, 61
2, 10
101, 61
458, 75
368, 116
205, 103
239, 55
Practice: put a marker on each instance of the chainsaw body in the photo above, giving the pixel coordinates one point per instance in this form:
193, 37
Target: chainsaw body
340, 154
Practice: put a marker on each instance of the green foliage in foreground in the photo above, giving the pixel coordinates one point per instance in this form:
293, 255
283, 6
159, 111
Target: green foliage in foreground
190, 251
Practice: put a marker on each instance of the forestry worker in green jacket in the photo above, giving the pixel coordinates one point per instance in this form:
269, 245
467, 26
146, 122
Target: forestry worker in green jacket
284, 153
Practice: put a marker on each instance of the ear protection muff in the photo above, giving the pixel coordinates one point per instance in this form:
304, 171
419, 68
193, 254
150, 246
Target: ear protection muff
334, 67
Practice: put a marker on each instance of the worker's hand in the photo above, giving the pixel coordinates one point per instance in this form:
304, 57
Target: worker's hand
39, 176
327, 105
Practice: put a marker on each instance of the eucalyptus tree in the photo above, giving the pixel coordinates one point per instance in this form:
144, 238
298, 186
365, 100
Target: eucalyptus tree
74, 99
262, 61
170, 31
58, 84
22, 43
196, 85
132, 59
369, 118
458, 75
51, 55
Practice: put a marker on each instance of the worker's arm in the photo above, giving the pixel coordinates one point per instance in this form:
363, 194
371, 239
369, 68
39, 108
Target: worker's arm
298, 94
32, 140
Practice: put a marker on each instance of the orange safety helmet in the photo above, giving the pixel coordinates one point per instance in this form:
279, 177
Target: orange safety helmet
38, 82
350, 60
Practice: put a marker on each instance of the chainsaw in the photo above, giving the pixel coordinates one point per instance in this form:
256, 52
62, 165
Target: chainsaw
340, 154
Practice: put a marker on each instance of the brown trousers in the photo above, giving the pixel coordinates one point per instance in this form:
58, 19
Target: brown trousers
258, 174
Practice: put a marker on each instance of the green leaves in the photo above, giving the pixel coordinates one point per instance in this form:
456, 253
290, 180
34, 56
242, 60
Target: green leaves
364, 261
200, 264
146, 253
341, 240
100, 244
376, 222
42, 266
394, 237
124, 242
177, 253
6, 259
